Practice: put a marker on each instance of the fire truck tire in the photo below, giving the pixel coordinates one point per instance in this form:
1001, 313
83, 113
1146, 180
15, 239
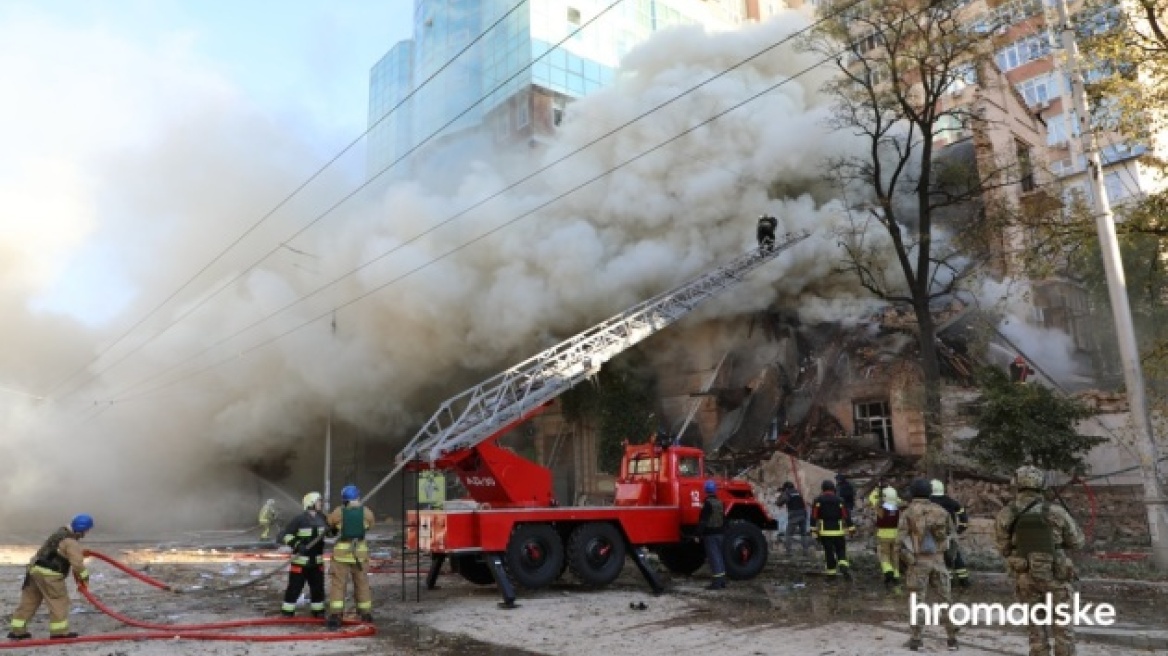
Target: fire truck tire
744, 550
473, 569
534, 556
596, 553
684, 558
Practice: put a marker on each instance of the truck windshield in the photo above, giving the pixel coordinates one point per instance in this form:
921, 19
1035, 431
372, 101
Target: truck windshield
689, 467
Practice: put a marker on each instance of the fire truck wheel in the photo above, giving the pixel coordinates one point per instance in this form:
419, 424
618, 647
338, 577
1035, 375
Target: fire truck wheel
473, 569
596, 553
744, 550
535, 555
684, 558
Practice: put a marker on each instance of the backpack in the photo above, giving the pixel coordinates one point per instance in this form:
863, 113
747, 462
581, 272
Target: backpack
1033, 532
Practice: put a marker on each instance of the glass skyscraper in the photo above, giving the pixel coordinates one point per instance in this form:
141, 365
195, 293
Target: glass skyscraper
512, 85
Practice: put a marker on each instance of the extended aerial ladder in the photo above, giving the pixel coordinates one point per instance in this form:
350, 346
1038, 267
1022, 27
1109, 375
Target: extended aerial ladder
498, 404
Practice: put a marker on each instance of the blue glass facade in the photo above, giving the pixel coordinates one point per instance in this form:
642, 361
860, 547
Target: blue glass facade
501, 71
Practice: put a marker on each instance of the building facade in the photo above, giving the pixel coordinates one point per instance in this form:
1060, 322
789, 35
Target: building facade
514, 83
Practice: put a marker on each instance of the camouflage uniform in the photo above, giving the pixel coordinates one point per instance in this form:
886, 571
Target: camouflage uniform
927, 570
1040, 573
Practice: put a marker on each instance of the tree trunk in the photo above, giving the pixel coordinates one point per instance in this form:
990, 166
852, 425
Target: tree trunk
931, 367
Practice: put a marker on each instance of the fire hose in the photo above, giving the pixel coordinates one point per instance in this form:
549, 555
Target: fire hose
203, 631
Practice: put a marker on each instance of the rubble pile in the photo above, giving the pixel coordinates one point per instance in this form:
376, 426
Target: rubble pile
1103, 402
1119, 523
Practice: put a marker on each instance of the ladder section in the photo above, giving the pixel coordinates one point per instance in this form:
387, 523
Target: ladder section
483, 411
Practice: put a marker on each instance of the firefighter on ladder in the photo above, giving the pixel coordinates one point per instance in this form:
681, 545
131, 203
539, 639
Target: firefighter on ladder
350, 522
45, 580
305, 535
766, 232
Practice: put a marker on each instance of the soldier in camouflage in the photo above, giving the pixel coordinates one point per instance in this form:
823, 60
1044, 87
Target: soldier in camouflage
1034, 536
925, 530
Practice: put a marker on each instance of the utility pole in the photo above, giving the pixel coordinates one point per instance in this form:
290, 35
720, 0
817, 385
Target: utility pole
1117, 291
328, 444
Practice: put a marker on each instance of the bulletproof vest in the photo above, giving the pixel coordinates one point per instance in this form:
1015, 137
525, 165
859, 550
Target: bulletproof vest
795, 504
353, 523
47, 555
717, 513
1033, 533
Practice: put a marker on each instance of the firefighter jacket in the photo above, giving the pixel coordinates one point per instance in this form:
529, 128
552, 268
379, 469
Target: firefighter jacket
712, 519
829, 516
887, 520
350, 523
955, 509
268, 514
1063, 534
305, 534
796, 506
60, 552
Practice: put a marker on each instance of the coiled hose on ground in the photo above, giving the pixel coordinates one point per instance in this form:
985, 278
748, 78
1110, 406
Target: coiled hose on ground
207, 631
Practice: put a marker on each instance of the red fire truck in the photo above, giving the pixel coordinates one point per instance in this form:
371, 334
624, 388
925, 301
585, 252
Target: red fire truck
513, 531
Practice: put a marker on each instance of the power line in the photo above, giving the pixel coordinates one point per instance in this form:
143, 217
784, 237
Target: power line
834, 57
256, 225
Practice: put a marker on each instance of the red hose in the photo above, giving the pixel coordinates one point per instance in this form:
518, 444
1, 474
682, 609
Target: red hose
191, 631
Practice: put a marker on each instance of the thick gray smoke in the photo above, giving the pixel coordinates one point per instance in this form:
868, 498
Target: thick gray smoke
154, 164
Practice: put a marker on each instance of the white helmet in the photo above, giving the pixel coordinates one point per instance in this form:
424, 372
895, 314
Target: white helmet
311, 499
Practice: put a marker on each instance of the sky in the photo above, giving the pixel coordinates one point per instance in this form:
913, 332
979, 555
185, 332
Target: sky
303, 63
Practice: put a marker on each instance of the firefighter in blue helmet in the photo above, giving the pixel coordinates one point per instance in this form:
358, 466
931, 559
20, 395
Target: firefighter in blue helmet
45, 580
711, 525
349, 523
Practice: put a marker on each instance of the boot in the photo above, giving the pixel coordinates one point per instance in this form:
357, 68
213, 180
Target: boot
952, 644
288, 613
367, 617
64, 636
318, 614
914, 645
333, 622
12, 635
963, 581
889, 579
719, 583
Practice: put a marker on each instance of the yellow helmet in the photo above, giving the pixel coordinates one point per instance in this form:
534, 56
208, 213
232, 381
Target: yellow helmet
310, 500
1029, 477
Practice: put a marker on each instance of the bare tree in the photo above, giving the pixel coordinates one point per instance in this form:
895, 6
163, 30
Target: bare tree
901, 63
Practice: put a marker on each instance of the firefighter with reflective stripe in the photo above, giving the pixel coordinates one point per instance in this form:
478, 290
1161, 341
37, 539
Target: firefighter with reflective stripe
1035, 537
268, 516
954, 559
831, 524
925, 531
887, 544
712, 525
349, 523
305, 535
45, 580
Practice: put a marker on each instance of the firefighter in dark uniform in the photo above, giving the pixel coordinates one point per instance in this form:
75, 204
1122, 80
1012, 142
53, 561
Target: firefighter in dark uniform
45, 580
766, 232
831, 524
954, 560
712, 525
305, 534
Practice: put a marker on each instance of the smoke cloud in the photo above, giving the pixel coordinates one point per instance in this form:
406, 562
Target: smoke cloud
133, 168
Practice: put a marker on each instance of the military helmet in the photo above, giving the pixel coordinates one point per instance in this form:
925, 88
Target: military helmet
1029, 477
827, 485
921, 488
